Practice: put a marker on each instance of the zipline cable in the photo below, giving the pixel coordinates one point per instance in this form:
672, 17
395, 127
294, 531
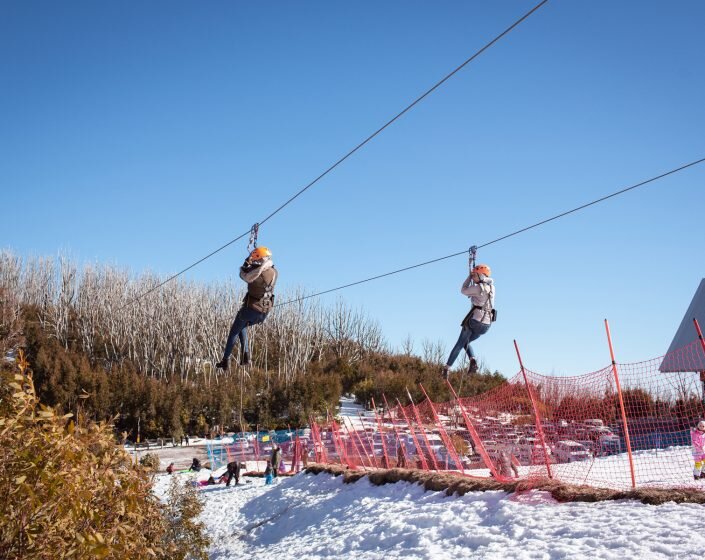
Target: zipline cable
517, 232
351, 152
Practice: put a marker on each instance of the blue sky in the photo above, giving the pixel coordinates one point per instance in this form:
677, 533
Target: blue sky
148, 134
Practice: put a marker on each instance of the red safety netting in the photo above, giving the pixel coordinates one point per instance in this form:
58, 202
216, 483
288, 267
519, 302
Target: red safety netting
624, 426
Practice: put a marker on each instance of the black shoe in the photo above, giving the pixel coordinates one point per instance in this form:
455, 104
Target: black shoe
696, 476
245, 359
222, 365
473, 366
444, 373
702, 475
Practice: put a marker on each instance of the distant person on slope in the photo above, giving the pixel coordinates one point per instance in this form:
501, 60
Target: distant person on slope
276, 459
697, 438
259, 273
479, 287
268, 473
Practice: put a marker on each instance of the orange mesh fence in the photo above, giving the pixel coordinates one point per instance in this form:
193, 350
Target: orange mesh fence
575, 429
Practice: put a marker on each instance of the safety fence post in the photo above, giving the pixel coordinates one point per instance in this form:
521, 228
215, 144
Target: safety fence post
400, 444
314, 440
423, 432
367, 439
387, 464
322, 451
474, 435
294, 455
359, 448
702, 371
700, 333
424, 464
338, 442
537, 415
257, 453
450, 447
319, 449
243, 439
227, 450
621, 406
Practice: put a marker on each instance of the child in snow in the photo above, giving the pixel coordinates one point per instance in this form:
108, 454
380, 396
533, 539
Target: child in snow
697, 437
268, 477
170, 468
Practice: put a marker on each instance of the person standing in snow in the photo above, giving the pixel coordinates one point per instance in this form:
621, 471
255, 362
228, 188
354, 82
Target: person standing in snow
268, 472
276, 459
697, 438
233, 472
479, 287
261, 276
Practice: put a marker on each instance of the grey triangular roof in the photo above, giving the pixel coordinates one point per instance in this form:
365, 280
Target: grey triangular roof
685, 335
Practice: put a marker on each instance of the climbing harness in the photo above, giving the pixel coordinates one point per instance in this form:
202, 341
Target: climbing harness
487, 307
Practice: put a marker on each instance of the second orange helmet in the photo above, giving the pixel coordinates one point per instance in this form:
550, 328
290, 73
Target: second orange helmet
482, 269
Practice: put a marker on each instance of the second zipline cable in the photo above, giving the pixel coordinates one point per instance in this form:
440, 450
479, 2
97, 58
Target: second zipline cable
517, 232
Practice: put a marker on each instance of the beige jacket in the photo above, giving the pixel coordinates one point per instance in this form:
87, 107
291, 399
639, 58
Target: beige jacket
481, 295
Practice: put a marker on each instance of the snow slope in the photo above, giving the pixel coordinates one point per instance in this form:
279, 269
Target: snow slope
311, 517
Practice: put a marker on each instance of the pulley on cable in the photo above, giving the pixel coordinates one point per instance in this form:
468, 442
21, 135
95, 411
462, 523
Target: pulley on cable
252, 243
472, 253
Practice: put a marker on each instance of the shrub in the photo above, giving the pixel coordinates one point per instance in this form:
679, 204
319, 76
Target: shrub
151, 462
185, 534
68, 490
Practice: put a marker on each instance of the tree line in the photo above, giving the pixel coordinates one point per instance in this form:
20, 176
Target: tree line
99, 349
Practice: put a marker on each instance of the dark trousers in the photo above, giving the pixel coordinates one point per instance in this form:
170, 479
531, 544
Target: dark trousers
472, 331
244, 318
233, 474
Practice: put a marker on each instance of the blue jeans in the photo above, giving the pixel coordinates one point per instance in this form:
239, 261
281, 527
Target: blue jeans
244, 318
473, 331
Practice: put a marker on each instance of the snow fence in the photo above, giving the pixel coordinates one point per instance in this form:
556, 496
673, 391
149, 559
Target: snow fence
624, 426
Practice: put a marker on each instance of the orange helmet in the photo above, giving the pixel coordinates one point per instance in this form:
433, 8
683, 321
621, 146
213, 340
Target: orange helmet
482, 269
259, 253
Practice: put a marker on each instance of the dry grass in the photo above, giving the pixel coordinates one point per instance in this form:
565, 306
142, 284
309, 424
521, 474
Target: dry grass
458, 484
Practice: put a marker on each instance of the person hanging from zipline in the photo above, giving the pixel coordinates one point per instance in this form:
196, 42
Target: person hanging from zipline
261, 276
479, 287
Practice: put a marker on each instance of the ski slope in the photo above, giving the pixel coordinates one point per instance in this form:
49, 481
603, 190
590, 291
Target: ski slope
311, 517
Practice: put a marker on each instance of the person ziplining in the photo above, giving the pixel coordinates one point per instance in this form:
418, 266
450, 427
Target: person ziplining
479, 287
261, 276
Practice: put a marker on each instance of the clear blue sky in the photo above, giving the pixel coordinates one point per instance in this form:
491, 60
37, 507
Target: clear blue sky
148, 134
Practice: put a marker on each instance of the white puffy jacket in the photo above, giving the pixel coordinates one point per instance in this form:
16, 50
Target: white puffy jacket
482, 296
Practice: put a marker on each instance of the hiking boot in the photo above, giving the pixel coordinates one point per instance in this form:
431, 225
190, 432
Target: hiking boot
473, 366
444, 372
697, 476
223, 364
245, 359
702, 475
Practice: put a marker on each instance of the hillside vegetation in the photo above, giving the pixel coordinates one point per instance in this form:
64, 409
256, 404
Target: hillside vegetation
147, 363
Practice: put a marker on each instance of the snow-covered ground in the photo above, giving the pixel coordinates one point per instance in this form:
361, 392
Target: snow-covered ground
310, 517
